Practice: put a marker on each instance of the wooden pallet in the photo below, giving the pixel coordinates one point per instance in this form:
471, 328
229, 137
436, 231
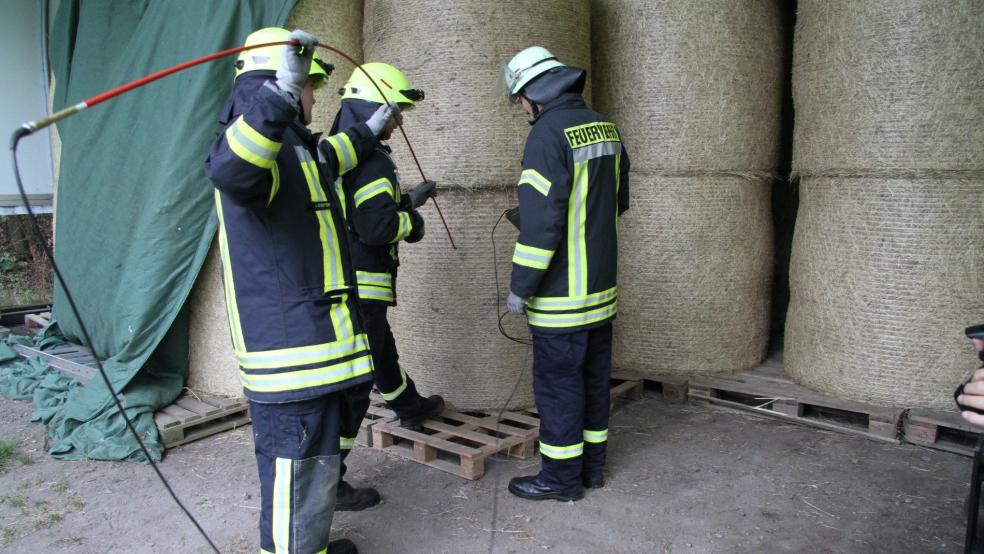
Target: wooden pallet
377, 413
193, 417
73, 360
34, 323
674, 388
940, 430
768, 392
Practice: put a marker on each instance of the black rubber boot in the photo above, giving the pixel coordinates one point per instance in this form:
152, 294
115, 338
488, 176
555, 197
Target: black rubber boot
351, 499
429, 406
342, 546
531, 488
593, 481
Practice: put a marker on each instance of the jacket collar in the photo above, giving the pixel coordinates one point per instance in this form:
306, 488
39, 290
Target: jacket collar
566, 101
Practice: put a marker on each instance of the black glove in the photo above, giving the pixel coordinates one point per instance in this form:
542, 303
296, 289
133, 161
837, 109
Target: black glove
417, 230
420, 193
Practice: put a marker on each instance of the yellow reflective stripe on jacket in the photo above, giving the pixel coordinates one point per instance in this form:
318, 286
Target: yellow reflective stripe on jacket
346, 443
250, 145
307, 378
391, 396
577, 255
340, 190
618, 183
303, 355
275, 185
555, 303
281, 520
405, 227
229, 286
571, 320
344, 151
561, 452
533, 178
334, 277
595, 437
379, 186
530, 256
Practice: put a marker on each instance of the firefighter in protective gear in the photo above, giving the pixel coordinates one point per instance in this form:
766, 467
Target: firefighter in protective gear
289, 284
573, 188
379, 218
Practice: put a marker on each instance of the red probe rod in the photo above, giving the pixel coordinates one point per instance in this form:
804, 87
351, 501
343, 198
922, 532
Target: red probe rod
34, 126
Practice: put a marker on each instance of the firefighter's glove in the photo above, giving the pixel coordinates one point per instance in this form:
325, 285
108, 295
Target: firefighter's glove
416, 227
420, 193
295, 63
515, 304
382, 116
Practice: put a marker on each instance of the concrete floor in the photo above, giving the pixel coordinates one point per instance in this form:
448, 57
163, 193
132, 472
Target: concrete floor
682, 478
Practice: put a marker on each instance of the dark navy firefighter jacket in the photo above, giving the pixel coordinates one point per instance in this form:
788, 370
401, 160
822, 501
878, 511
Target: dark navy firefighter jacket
288, 279
573, 188
379, 216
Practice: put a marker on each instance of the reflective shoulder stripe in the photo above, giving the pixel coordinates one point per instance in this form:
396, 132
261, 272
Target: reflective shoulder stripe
561, 452
250, 145
561, 303
539, 319
344, 151
533, 178
379, 186
595, 437
529, 256
405, 227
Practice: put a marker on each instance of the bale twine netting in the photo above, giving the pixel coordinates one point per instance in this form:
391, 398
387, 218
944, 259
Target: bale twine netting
696, 89
212, 363
445, 320
467, 136
887, 253
696, 299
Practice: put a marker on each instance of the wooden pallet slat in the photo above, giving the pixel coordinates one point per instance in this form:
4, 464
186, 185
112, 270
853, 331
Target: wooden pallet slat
946, 431
191, 418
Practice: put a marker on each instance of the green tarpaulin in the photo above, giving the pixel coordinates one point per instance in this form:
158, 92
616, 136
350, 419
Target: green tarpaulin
135, 215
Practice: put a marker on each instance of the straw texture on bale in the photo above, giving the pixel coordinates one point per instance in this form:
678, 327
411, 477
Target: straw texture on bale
887, 253
696, 298
212, 366
885, 275
889, 85
696, 90
693, 85
336, 23
466, 132
445, 321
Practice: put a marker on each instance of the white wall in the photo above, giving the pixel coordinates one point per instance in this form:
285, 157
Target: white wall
24, 97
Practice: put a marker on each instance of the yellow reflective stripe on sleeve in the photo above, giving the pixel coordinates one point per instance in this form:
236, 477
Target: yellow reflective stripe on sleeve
595, 437
344, 152
229, 285
577, 269
533, 178
571, 320
303, 355
530, 256
391, 396
367, 292
405, 227
281, 513
346, 443
307, 378
374, 279
561, 452
555, 303
379, 186
334, 277
250, 145
275, 186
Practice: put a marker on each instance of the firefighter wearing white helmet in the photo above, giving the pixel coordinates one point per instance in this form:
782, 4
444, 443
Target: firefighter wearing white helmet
573, 188
286, 273
380, 216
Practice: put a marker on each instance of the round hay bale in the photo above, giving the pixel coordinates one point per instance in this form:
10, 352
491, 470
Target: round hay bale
691, 85
466, 132
888, 84
694, 296
445, 321
212, 366
885, 275
336, 23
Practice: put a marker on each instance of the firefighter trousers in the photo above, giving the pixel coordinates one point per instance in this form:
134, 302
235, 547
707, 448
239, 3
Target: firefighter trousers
571, 382
297, 456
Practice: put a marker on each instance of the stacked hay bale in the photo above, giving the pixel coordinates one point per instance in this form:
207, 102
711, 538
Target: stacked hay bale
888, 254
696, 90
212, 363
470, 140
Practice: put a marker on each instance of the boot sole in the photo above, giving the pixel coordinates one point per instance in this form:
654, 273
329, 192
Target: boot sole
549, 496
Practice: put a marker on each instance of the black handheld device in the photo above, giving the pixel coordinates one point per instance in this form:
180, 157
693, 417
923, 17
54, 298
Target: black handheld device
512, 214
